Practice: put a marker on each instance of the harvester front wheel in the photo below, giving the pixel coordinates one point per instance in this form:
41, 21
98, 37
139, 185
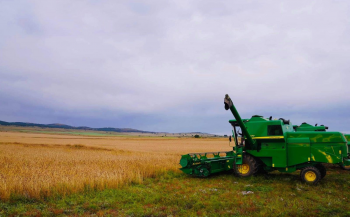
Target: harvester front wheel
322, 170
310, 175
248, 167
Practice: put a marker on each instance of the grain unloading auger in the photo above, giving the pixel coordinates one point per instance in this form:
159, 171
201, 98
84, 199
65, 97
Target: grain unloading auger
265, 145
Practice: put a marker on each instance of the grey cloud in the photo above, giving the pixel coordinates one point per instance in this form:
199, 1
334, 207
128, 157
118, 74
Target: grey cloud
170, 63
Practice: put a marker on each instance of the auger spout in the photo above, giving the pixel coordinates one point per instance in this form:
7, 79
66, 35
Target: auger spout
229, 105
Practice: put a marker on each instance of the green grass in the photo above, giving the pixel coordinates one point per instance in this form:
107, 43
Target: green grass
177, 194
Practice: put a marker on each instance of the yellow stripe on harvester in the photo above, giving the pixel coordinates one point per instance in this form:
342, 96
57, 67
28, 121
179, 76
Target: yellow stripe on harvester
269, 137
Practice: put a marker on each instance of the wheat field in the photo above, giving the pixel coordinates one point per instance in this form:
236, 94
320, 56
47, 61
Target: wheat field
42, 165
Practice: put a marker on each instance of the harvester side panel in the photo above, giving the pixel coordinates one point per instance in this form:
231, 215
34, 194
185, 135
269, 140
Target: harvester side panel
273, 149
328, 148
318, 137
298, 150
330, 153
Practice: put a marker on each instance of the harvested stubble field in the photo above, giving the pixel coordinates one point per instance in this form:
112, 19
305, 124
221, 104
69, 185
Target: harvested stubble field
50, 175
41, 165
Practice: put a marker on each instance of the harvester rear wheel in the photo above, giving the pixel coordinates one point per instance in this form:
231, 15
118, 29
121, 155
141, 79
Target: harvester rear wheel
345, 167
248, 167
322, 170
310, 175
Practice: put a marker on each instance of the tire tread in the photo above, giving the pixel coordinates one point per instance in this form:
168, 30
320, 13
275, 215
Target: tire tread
253, 163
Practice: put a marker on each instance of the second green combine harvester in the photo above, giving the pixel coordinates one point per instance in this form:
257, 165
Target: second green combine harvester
265, 145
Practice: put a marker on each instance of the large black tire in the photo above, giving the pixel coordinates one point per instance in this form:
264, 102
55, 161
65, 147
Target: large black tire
249, 167
310, 175
322, 170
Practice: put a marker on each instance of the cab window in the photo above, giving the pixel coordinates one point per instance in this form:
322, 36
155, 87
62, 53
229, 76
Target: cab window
274, 130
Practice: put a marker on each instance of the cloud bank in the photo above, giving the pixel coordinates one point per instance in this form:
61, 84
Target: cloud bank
166, 66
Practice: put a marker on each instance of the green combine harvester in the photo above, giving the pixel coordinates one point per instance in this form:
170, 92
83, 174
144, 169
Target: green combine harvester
264, 145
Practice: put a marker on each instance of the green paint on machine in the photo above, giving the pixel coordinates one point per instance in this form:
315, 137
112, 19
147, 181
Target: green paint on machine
266, 144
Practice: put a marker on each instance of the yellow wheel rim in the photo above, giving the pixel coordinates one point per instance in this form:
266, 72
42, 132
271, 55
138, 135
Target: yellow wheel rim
310, 176
243, 169
346, 167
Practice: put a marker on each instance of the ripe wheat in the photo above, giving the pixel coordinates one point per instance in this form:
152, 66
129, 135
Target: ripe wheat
38, 166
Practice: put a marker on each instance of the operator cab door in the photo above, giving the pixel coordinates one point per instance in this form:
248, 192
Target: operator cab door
298, 151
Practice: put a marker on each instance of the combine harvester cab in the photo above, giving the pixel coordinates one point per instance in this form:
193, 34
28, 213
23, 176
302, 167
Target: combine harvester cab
265, 145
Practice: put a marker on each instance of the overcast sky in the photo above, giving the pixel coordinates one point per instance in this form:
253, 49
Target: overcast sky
167, 65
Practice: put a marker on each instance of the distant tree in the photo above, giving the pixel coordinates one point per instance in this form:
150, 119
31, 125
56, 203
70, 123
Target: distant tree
196, 136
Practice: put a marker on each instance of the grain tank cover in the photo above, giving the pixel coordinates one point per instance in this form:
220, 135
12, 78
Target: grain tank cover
308, 127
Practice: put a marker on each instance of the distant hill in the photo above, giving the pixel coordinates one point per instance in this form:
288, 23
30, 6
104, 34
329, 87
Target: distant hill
105, 129
63, 126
